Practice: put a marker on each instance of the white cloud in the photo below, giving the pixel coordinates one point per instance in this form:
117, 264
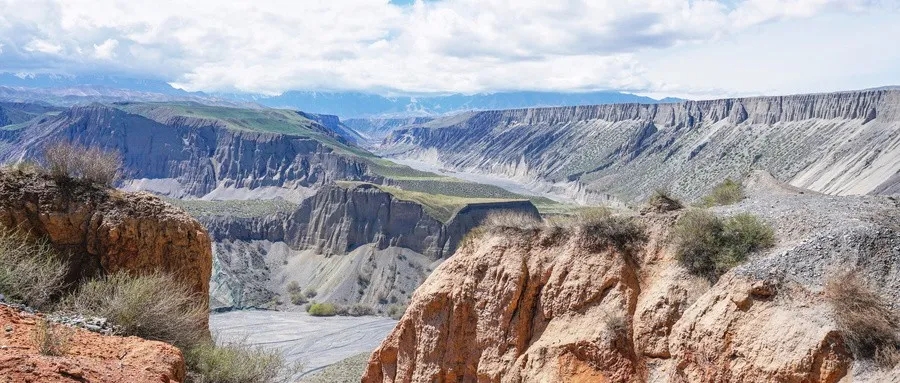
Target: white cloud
43, 46
433, 46
106, 50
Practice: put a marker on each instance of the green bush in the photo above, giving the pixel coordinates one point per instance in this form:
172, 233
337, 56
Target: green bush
152, 306
322, 309
726, 193
236, 363
709, 246
298, 298
31, 271
864, 319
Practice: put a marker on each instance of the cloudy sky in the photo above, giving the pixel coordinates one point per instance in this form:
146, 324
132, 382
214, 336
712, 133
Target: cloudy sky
687, 48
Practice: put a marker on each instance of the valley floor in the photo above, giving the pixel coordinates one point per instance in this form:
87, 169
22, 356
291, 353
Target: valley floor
314, 342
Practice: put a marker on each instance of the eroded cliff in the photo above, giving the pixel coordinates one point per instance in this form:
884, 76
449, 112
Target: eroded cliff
354, 243
103, 230
836, 143
538, 305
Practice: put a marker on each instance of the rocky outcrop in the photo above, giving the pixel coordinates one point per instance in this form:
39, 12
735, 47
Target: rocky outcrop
103, 230
531, 306
835, 143
194, 157
334, 223
88, 357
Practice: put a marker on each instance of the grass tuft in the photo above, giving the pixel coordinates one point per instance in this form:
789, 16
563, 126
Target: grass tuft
51, 339
153, 306
870, 328
31, 271
68, 161
237, 362
726, 193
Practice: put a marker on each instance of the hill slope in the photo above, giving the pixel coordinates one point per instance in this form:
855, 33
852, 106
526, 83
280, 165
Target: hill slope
836, 143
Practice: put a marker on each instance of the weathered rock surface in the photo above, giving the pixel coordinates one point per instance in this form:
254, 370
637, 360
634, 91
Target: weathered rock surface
90, 357
193, 157
516, 307
104, 230
328, 231
835, 143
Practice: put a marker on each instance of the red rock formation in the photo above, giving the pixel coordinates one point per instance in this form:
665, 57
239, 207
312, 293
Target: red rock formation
519, 306
89, 357
104, 230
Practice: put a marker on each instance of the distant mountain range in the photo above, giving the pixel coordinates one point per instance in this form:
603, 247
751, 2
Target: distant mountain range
69, 90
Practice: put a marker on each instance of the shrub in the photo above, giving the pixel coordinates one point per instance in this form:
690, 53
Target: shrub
360, 309
236, 363
396, 311
512, 220
293, 287
726, 193
709, 246
602, 229
870, 328
152, 306
50, 339
322, 309
31, 271
662, 201
310, 293
298, 298
67, 161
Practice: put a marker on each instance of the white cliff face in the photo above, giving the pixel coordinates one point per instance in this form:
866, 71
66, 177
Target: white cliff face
836, 143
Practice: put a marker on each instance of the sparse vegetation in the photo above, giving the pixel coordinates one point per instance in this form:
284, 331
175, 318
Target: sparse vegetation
322, 309
662, 201
602, 229
237, 362
310, 293
51, 339
870, 328
726, 193
152, 306
67, 161
31, 271
293, 287
298, 299
396, 311
709, 246
360, 309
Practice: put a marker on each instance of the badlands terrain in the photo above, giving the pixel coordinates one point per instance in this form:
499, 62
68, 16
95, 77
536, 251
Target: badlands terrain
275, 209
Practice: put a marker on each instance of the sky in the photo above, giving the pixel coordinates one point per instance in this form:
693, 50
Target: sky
681, 48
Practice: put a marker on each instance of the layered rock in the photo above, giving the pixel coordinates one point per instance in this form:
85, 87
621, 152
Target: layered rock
531, 306
836, 143
88, 357
395, 240
195, 157
103, 230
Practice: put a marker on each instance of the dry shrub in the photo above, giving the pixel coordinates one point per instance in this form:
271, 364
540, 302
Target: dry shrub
709, 246
237, 362
663, 201
870, 328
31, 271
512, 220
359, 310
726, 193
51, 339
67, 161
602, 230
154, 306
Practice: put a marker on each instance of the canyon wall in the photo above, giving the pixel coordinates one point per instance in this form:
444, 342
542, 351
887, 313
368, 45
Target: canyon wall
836, 143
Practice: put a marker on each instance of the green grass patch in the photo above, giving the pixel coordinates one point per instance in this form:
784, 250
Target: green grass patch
726, 193
233, 208
440, 206
709, 246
